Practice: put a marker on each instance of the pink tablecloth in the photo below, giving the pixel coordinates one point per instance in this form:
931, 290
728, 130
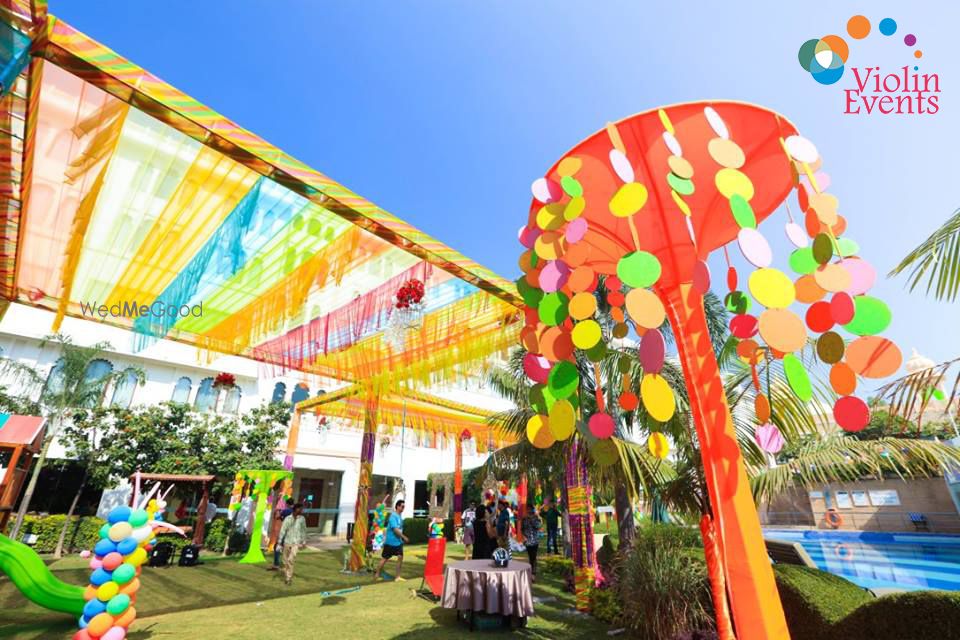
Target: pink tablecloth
477, 585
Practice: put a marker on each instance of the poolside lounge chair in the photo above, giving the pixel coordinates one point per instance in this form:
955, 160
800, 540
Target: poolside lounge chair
786, 552
919, 521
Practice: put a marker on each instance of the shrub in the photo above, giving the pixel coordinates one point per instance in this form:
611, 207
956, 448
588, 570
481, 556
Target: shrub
662, 589
216, 534
555, 566
917, 615
814, 600
605, 606
82, 534
416, 529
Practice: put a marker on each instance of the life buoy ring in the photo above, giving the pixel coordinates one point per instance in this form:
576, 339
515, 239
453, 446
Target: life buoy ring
833, 519
843, 552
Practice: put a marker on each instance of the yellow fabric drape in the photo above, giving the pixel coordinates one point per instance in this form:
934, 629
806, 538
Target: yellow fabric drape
211, 189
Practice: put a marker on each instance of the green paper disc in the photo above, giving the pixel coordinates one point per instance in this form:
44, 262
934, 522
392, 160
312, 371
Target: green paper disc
597, 353
571, 186
797, 377
553, 308
530, 294
537, 400
870, 316
548, 398
683, 186
847, 247
604, 452
802, 261
639, 269
742, 212
563, 379
623, 364
822, 249
737, 302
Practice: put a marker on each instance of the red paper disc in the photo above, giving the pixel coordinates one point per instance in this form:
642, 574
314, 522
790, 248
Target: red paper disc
732, 279
851, 413
744, 326
842, 308
820, 317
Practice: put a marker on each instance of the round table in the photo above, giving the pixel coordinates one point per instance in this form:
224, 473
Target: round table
477, 586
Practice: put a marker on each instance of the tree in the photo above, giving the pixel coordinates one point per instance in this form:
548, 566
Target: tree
72, 385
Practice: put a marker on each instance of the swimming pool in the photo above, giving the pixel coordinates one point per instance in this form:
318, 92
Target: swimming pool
906, 560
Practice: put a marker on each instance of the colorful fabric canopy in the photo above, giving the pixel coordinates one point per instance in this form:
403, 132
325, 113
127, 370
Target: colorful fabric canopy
420, 412
127, 202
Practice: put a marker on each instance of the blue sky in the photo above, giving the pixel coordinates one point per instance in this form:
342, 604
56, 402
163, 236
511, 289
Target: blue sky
444, 111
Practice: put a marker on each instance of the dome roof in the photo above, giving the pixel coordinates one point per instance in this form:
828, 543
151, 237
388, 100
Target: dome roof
917, 362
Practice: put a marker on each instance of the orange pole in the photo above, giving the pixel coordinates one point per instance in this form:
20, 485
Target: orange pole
718, 585
361, 522
754, 600
458, 484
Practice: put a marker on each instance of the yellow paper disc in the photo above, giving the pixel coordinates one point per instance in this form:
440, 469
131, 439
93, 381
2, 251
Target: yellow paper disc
586, 334
772, 288
569, 166
680, 166
726, 153
657, 397
645, 308
825, 206
832, 277
562, 420
658, 445
628, 199
732, 182
783, 330
582, 306
538, 432
574, 208
683, 206
550, 245
550, 217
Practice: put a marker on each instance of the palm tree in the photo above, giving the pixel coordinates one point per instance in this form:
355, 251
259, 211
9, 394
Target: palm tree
71, 385
933, 265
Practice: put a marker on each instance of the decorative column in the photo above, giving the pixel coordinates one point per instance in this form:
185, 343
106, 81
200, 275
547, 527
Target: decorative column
458, 483
581, 523
358, 546
201, 524
755, 603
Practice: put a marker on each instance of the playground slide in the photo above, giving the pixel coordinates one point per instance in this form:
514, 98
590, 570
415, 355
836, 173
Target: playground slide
31, 576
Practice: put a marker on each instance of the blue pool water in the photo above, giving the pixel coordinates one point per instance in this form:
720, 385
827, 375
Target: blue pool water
906, 560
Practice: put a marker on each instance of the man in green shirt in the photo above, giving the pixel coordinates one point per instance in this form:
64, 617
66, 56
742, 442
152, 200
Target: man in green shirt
293, 537
552, 517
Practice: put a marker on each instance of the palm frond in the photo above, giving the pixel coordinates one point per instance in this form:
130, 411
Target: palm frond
936, 262
908, 395
841, 459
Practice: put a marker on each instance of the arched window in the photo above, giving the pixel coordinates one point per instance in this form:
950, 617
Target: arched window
300, 393
93, 380
54, 384
206, 396
279, 392
123, 390
181, 392
320, 392
231, 403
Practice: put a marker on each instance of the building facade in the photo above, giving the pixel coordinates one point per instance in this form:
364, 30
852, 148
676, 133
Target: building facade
327, 459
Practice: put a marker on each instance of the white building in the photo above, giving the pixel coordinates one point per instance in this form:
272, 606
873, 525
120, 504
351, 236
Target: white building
327, 459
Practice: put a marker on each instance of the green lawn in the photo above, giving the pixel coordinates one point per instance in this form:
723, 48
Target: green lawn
225, 599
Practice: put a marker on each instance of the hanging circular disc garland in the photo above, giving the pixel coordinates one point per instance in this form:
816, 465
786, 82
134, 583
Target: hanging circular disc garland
625, 221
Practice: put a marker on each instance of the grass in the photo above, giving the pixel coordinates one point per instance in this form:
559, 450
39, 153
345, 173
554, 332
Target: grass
225, 599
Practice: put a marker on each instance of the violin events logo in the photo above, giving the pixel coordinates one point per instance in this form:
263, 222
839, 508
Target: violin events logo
904, 92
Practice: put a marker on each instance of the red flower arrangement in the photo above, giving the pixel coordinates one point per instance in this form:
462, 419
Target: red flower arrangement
466, 435
409, 294
224, 380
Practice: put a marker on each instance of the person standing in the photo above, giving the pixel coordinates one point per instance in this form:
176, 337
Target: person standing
530, 527
503, 525
552, 517
393, 543
284, 509
469, 517
293, 534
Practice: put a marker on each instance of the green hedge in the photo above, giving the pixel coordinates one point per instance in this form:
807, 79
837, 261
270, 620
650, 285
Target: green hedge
82, 534
555, 566
416, 529
605, 606
916, 615
814, 600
